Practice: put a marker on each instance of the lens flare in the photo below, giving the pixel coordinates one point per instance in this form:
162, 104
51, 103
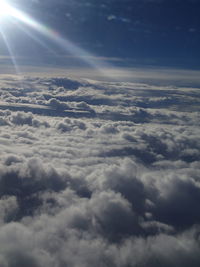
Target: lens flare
8, 10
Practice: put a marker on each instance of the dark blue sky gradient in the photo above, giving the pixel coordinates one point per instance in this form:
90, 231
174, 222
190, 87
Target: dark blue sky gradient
162, 32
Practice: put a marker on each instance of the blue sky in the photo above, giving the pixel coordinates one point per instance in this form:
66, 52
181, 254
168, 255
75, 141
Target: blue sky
157, 32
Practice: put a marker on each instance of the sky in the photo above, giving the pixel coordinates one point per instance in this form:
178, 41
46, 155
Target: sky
99, 133
145, 32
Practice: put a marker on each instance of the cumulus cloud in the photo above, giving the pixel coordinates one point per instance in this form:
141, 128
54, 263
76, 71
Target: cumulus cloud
21, 118
98, 174
57, 104
68, 125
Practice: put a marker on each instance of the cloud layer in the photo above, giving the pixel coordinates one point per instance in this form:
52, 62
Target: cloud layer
98, 174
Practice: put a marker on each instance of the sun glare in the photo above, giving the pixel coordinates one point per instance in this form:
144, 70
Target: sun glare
5, 9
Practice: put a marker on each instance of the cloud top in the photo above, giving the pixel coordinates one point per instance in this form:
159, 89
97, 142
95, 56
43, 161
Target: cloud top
98, 174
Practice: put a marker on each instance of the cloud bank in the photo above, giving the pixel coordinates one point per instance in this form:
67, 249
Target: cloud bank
98, 174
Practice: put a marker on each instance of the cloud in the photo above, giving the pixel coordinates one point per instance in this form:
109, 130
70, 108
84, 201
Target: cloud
112, 181
68, 125
57, 104
21, 118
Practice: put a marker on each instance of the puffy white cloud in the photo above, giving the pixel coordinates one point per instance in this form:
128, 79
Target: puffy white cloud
98, 174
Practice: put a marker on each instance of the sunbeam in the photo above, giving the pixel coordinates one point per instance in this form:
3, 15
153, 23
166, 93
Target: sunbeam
13, 59
65, 44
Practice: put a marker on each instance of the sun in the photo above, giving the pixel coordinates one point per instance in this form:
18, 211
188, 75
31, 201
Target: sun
9, 11
5, 9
